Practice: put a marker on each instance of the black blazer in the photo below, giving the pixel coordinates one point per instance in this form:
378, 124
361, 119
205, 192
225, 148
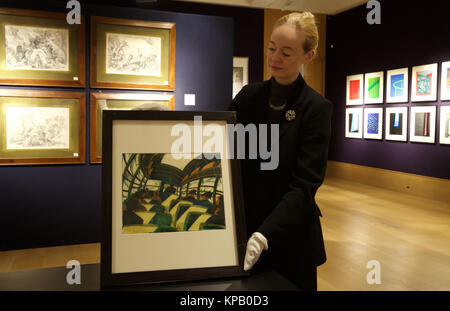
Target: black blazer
280, 203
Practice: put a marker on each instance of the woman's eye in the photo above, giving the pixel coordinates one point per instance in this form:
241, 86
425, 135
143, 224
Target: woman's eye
271, 49
287, 55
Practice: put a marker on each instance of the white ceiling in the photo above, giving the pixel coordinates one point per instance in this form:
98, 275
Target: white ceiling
329, 7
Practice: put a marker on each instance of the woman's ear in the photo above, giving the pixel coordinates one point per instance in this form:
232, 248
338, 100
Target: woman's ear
309, 56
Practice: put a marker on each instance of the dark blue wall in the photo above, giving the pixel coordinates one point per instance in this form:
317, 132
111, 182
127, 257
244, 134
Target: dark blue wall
409, 35
57, 205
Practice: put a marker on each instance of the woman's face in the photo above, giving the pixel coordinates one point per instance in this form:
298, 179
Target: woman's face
285, 54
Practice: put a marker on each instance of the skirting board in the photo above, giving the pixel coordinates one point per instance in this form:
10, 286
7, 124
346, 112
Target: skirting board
423, 186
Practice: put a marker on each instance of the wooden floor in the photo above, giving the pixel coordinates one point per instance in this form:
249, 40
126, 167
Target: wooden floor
409, 236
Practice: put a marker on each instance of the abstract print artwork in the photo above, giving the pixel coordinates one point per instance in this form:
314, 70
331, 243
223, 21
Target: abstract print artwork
36, 48
37, 128
444, 137
372, 123
373, 118
354, 92
423, 124
373, 88
396, 123
353, 122
424, 83
161, 193
133, 55
445, 81
397, 86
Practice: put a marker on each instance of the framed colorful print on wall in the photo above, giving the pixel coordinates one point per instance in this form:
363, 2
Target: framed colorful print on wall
161, 199
355, 89
240, 73
422, 124
41, 48
445, 81
354, 122
373, 123
42, 127
132, 54
444, 133
117, 101
373, 87
396, 123
397, 86
424, 83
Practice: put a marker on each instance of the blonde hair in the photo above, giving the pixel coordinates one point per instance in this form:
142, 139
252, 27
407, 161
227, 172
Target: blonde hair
306, 22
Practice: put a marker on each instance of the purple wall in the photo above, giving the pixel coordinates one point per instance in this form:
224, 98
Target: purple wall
409, 35
61, 204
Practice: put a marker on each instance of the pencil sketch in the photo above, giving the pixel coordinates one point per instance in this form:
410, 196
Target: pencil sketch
133, 55
36, 48
37, 128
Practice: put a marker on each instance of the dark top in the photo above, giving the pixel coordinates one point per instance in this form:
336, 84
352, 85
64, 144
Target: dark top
280, 203
277, 101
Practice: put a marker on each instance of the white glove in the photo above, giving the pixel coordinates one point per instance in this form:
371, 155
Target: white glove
255, 245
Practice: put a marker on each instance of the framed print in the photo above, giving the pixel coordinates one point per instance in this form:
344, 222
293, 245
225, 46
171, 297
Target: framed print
422, 124
354, 122
41, 127
445, 81
444, 133
373, 87
240, 73
41, 48
164, 195
117, 101
373, 123
132, 54
397, 86
355, 90
396, 123
424, 83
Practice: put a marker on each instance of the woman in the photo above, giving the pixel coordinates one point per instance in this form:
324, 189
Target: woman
281, 213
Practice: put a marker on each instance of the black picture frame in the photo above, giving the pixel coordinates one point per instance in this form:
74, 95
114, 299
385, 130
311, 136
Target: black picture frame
108, 278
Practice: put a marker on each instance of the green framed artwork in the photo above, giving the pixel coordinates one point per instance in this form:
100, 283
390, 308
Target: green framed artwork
41, 48
42, 127
132, 54
117, 101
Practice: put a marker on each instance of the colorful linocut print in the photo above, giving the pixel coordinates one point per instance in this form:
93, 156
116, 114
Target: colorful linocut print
161, 193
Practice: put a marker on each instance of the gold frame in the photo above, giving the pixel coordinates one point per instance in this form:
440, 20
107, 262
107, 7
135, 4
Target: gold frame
95, 135
129, 81
49, 78
59, 156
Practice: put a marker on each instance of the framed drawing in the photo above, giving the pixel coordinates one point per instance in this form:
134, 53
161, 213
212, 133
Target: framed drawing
396, 123
240, 73
42, 127
41, 48
422, 124
445, 81
132, 54
117, 101
373, 123
424, 83
373, 87
354, 122
397, 86
163, 199
444, 133
355, 90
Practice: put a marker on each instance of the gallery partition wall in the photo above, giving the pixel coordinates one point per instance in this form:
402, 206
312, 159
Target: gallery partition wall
54, 203
389, 83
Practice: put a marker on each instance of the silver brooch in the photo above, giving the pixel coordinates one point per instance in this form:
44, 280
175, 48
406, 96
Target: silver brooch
290, 115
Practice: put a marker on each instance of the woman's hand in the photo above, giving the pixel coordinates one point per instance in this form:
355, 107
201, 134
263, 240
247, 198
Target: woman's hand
255, 245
